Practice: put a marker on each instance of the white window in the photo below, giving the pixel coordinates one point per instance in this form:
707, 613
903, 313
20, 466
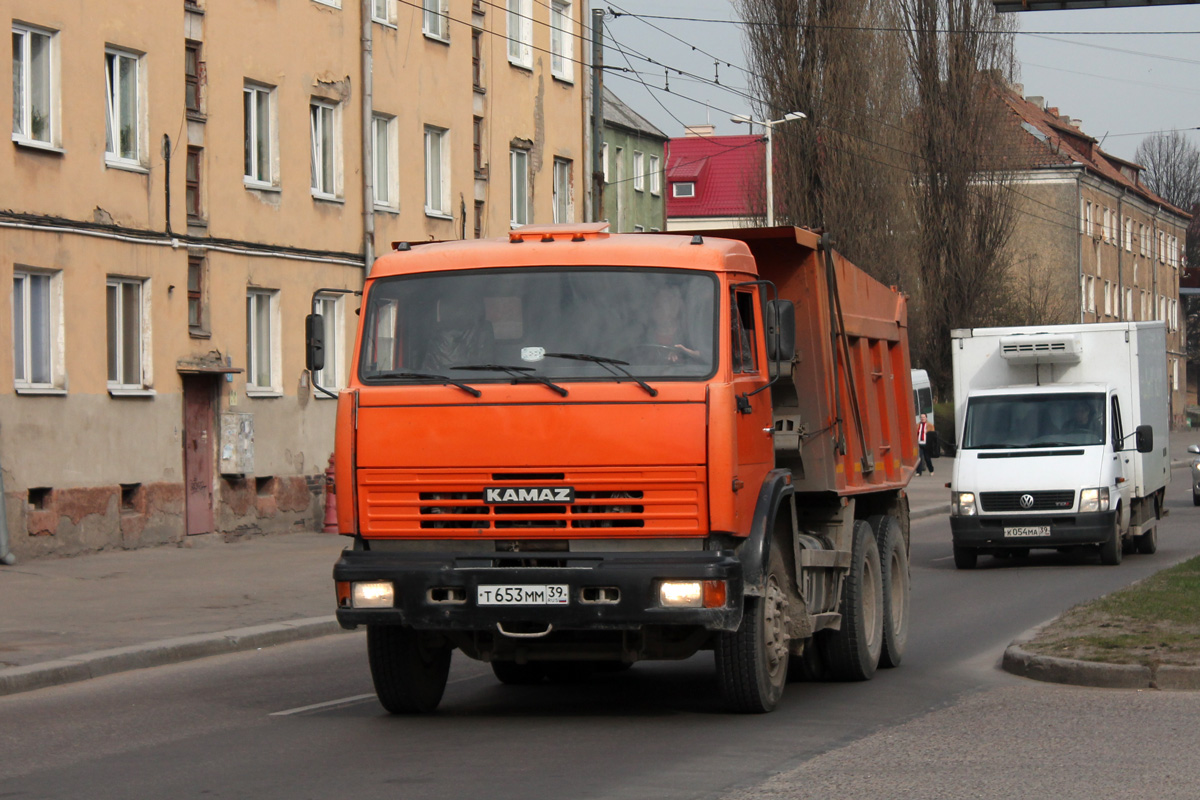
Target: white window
604, 160
330, 376
655, 177
562, 41
263, 374
35, 89
437, 171
1082, 294
1108, 298
435, 22
1128, 304
258, 107
334, 3
1128, 233
520, 32
1161, 246
639, 171
37, 334
1091, 294
563, 206
683, 189
325, 128
1090, 227
122, 110
384, 152
518, 162
1173, 313
384, 11
1145, 239
128, 333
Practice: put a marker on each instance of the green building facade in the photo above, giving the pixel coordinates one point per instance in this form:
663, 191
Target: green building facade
634, 161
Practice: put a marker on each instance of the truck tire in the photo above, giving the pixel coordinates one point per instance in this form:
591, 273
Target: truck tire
808, 666
1147, 543
752, 662
409, 669
965, 557
893, 559
1112, 550
852, 653
514, 674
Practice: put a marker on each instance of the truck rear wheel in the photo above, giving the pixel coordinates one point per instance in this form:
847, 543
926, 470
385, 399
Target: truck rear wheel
409, 668
893, 558
852, 653
965, 557
752, 662
1147, 543
1112, 550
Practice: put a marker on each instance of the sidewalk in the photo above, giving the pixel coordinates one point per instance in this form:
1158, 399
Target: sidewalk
72, 619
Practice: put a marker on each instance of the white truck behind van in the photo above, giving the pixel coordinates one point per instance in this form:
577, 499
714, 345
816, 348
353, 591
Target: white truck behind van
1062, 434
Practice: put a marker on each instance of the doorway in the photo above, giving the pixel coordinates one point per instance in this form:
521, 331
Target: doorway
199, 393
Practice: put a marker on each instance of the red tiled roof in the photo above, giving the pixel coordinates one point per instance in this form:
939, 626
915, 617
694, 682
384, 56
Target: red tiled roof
727, 171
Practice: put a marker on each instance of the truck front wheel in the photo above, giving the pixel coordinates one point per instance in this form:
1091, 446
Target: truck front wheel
409, 668
1113, 549
852, 653
752, 662
965, 557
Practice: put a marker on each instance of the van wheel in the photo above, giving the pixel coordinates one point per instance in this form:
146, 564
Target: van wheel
893, 559
1113, 549
1147, 543
852, 653
409, 668
965, 557
752, 662
514, 674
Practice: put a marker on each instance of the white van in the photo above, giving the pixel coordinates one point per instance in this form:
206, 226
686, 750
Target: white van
922, 397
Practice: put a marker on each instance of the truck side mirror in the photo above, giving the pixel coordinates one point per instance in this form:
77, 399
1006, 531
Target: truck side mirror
1143, 437
314, 342
781, 330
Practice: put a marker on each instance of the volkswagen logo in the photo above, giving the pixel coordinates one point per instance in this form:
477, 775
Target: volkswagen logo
1026, 501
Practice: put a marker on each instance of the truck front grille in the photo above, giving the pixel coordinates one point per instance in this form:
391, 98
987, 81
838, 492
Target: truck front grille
1042, 501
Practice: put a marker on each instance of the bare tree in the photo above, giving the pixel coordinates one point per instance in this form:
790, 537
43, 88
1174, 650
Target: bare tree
1172, 167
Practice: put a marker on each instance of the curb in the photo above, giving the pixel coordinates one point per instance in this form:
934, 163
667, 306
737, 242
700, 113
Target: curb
156, 654
1052, 669
932, 511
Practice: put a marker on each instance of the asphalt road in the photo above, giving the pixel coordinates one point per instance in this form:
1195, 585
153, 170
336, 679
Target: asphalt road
300, 721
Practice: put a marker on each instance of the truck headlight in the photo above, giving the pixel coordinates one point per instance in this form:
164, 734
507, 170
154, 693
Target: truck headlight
373, 594
1093, 500
964, 503
692, 594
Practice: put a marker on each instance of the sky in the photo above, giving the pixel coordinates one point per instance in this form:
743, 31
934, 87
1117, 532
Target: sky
1142, 76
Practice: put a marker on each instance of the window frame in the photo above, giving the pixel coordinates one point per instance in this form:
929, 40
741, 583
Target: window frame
51, 330
255, 296
193, 198
115, 110
51, 76
330, 307
389, 12
391, 151
639, 171
519, 16
323, 113
435, 10
562, 40
117, 349
675, 189
196, 296
518, 165
564, 202
192, 79
655, 176
252, 131
440, 170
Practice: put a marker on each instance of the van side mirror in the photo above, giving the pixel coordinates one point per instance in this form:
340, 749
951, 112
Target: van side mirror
781, 330
1143, 437
314, 342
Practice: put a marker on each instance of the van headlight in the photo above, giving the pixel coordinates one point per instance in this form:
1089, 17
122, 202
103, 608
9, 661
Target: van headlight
964, 504
1091, 500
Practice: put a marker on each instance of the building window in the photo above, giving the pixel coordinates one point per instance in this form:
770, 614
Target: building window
34, 86
195, 293
604, 161
325, 127
329, 376
1090, 227
639, 172
258, 106
683, 189
562, 43
36, 315
1128, 233
1128, 315
384, 153
435, 22
1108, 298
477, 59
1091, 294
127, 333
192, 67
262, 357
437, 171
562, 190
122, 111
518, 161
193, 198
478, 219
477, 146
520, 33
655, 177
384, 11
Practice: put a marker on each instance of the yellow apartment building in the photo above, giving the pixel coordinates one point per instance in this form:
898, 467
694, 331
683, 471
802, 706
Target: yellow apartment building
183, 177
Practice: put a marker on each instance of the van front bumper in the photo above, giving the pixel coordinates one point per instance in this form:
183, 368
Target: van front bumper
995, 531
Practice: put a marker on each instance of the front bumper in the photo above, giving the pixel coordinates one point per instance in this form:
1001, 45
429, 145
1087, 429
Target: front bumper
421, 581
987, 530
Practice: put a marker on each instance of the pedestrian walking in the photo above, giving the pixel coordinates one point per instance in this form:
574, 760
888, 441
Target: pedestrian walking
923, 459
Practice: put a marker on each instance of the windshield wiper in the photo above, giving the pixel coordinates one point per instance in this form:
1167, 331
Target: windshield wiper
613, 365
519, 374
427, 376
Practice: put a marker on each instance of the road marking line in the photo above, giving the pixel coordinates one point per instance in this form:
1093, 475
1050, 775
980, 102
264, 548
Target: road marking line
943, 558
358, 698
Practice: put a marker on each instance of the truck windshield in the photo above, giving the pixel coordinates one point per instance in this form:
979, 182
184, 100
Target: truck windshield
489, 324
1031, 420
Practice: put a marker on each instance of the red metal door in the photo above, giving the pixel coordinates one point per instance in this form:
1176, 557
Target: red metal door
198, 393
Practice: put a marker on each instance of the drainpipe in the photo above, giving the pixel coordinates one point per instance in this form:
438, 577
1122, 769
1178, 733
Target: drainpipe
368, 168
597, 114
6, 556
1078, 240
1120, 236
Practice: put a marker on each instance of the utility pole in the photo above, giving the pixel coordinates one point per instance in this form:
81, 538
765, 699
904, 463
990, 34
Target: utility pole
597, 114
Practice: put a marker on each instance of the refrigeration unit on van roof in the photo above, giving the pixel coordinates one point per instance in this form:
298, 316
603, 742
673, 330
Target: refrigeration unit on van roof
1042, 348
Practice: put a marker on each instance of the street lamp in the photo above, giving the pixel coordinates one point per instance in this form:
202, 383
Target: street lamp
768, 126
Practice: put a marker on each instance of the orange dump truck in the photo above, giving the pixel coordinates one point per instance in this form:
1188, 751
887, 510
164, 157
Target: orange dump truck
570, 450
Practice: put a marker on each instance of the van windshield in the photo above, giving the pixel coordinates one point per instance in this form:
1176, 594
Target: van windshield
1052, 420
505, 324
